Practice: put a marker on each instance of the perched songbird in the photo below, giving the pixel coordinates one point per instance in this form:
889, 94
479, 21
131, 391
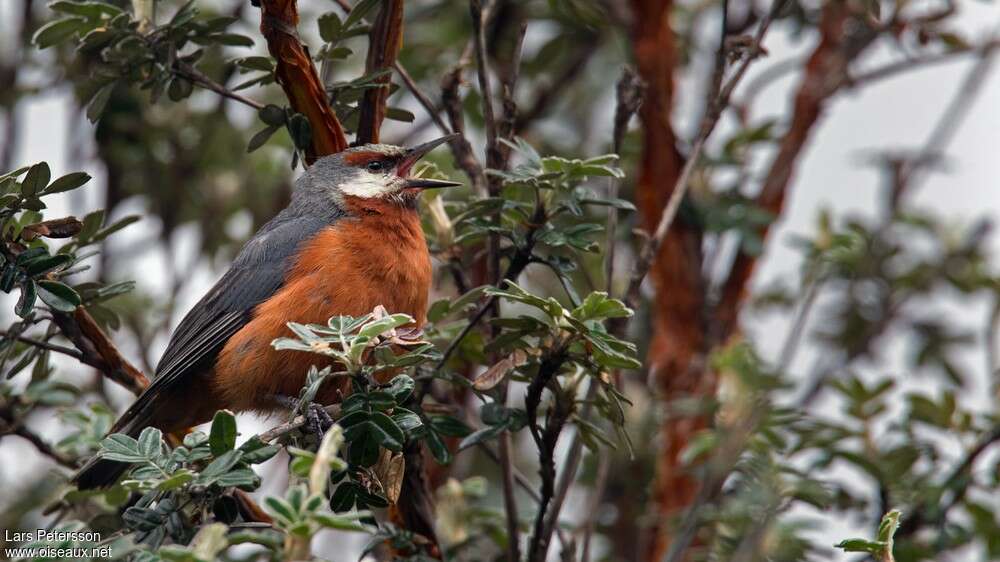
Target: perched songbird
349, 240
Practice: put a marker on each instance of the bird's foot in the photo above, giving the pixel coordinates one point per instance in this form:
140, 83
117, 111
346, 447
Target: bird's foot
318, 420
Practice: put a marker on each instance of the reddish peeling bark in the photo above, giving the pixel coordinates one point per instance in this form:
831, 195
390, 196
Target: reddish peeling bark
297, 75
677, 311
80, 328
683, 331
825, 73
385, 40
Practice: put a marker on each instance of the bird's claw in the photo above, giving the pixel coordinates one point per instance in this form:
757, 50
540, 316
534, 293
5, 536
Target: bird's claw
318, 420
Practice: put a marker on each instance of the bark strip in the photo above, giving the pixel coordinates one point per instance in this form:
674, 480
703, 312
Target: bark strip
385, 40
298, 78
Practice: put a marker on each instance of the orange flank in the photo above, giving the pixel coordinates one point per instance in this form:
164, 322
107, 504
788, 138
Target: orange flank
378, 257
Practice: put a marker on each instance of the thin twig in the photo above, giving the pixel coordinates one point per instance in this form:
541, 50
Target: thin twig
594, 505
421, 97
522, 482
68, 351
561, 83
797, 329
570, 466
711, 118
486, 92
511, 513
952, 118
43, 447
918, 62
101, 353
295, 423
718, 471
201, 79
629, 96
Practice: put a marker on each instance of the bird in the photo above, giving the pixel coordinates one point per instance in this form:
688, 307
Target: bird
349, 240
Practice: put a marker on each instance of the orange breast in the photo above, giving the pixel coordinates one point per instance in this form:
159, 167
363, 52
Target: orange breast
347, 269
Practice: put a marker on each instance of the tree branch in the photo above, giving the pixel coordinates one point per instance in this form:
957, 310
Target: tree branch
297, 75
199, 78
98, 350
844, 35
385, 39
43, 446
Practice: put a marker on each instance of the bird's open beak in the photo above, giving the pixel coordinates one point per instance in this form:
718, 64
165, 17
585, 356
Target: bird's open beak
415, 154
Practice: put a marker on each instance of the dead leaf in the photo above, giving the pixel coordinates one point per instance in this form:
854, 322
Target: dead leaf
56, 228
494, 374
393, 481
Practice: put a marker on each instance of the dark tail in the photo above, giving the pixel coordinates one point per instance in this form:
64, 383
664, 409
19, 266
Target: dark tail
169, 409
101, 473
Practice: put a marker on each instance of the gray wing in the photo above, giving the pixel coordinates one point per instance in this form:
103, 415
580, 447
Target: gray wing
255, 275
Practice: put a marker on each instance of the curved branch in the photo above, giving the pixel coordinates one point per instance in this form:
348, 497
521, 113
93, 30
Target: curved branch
298, 78
385, 39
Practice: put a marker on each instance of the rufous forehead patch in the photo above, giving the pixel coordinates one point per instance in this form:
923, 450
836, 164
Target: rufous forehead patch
361, 158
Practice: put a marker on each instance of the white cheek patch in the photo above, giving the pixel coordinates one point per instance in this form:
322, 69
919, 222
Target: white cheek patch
367, 185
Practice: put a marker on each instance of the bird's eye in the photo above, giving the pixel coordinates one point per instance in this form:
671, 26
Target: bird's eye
375, 166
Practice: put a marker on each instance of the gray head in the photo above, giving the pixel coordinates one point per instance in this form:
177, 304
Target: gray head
372, 172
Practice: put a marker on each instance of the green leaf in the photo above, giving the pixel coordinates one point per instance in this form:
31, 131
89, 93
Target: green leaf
861, 545
438, 448
598, 306
300, 130
256, 451
343, 497
484, 434
888, 526
272, 115
329, 26
91, 224
401, 386
391, 436
195, 438
57, 31
384, 324
151, 442
58, 296
340, 522
96, 106
67, 183
90, 10
281, 510
364, 448
231, 39
399, 114
261, 137
264, 64
46, 264
26, 302
122, 448
408, 421
179, 89
358, 12
36, 180
239, 478
269, 538
176, 480
450, 426
142, 518
220, 466
222, 437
